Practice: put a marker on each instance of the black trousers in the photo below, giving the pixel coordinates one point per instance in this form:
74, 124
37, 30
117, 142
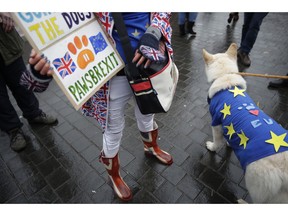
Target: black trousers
250, 30
26, 100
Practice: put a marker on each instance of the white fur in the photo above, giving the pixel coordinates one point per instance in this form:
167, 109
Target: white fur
267, 178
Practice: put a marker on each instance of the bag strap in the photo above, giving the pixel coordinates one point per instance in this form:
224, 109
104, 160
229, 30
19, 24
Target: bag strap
123, 35
126, 45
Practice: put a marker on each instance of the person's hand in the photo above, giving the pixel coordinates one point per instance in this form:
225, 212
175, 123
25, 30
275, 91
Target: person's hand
149, 48
141, 56
6, 22
40, 63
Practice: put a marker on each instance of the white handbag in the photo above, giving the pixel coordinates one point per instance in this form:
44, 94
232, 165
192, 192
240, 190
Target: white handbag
164, 83
153, 92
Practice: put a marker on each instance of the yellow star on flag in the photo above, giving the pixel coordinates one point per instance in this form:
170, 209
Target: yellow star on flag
136, 33
277, 141
230, 131
226, 110
243, 139
238, 91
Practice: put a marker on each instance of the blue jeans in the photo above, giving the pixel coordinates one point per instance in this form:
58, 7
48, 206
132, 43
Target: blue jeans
250, 29
182, 17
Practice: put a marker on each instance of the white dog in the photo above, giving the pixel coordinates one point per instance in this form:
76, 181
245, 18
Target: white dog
258, 141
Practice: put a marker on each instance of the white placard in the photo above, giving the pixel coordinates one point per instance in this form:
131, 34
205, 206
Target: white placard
77, 47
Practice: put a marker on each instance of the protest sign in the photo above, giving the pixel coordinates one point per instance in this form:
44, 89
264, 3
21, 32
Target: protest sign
77, 47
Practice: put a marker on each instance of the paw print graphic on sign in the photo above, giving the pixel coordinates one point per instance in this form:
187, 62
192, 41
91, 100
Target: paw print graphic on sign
86, 55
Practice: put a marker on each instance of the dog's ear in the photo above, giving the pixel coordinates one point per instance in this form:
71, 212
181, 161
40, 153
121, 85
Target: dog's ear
207, 56
232, 50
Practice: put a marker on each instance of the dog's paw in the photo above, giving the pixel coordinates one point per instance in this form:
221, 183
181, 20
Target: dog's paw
211, 146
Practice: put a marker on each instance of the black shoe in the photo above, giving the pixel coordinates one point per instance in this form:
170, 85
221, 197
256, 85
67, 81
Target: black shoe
182, 30
230, 17
233, 16
43, 118
243, 58
17, 139
236, 17
280, 83
190, 30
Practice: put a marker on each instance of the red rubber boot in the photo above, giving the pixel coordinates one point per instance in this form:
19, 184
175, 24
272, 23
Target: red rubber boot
151, 147
119, 186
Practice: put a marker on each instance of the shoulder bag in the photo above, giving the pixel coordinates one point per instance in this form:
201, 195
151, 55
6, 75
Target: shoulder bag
153, 87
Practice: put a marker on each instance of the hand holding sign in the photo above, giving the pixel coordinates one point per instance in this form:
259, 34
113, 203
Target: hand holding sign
40, 64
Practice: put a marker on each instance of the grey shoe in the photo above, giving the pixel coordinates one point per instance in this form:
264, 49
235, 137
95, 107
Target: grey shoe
43, 118
17, 139
243, 58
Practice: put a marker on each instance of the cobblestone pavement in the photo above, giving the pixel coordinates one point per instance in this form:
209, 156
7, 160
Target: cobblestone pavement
60, 164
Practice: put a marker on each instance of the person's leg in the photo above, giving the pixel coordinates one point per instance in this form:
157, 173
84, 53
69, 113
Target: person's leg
245, 27
191, 23
181, 23
120, 93
149, 134
9, 120
25, 99
251, 27
8, 116
192, 16
181, 18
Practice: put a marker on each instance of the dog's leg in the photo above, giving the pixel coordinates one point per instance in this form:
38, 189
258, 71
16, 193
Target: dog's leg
218, 141
267, 179
264, 180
